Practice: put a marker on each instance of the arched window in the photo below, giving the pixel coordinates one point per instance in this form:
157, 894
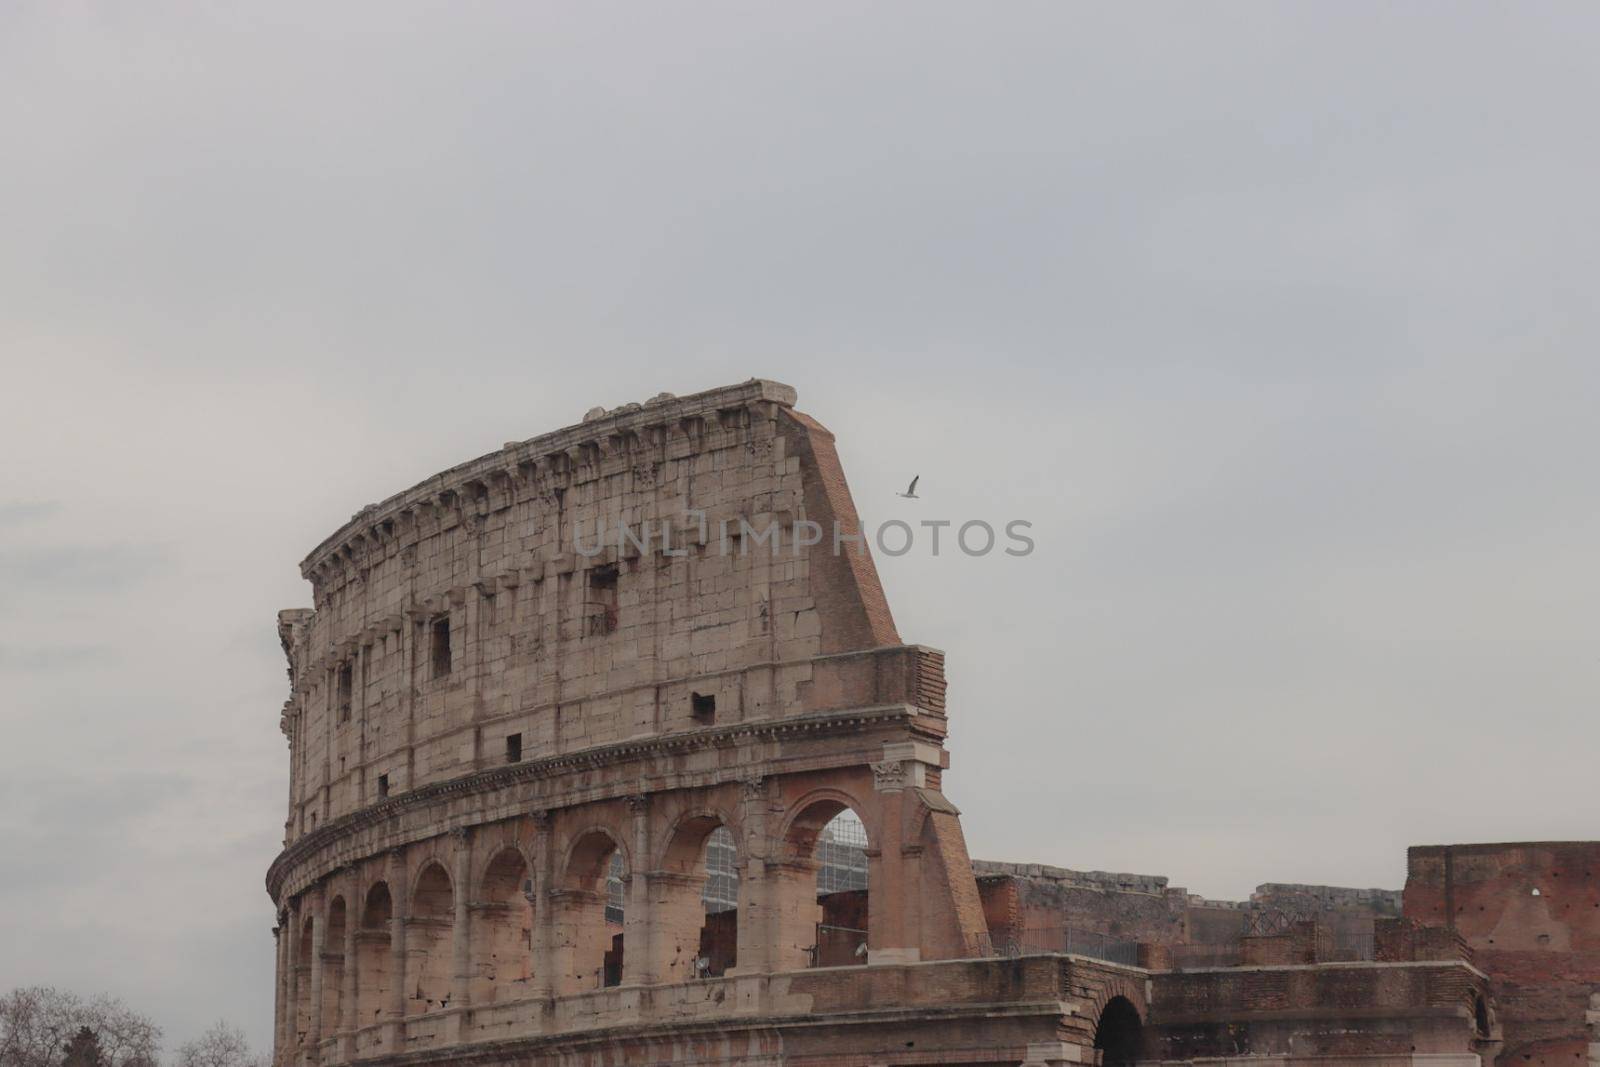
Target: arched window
827, 847
590, 922
1118, 1033
430, 940
302, 998
373, 988
696, 897
504, 969
333, 964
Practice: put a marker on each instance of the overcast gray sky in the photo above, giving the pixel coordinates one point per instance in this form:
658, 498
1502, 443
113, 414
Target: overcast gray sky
1278, 322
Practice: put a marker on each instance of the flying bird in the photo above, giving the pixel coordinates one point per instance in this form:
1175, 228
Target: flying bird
911, 490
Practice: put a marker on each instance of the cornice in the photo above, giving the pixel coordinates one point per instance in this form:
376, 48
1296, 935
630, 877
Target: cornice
560, 451
496, 779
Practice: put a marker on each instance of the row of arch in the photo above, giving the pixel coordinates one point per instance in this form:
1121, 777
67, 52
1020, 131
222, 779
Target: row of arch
389, 949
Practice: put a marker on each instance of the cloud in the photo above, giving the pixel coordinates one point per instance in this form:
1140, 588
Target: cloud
15, 512
47, 658
78, 568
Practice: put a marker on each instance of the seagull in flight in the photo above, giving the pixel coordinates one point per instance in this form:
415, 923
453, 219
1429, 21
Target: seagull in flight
911, 490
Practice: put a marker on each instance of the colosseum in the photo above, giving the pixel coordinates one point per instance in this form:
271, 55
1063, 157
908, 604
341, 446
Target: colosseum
606, 751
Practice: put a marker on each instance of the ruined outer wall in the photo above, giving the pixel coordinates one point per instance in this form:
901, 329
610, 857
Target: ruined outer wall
491, 711
1531, 914
1034, 901
1335, 1012
487, 550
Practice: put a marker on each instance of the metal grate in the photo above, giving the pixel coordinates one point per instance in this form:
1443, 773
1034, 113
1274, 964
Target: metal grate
842, 853
616, 889
722, 877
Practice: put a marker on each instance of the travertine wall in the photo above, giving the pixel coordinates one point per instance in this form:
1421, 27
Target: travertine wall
493, 701
563, 650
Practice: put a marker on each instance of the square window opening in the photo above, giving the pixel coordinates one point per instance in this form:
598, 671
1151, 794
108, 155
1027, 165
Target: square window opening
513, 748
441, 646
346, 688
600, 603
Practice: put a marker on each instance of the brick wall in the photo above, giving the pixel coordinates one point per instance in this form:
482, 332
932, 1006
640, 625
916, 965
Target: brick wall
1531, 914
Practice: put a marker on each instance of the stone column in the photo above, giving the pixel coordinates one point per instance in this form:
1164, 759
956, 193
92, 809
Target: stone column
638, 922
792, 912
676, 914
314, 1019
461, 947
279, 950
756, 935
543, 984
399, 899
893, 887
351, 988
578, 940
887, 886
292, 991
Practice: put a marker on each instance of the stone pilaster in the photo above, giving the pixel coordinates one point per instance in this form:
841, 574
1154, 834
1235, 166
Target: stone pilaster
461, 947
543, 914
639, 928
314, 1021
399, 899
351, 988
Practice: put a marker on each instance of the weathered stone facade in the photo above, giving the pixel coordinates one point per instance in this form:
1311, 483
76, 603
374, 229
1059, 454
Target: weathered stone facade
512, 739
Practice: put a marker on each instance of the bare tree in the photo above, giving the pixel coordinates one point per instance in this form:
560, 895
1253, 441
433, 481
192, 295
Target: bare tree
223, 1045
37, 1024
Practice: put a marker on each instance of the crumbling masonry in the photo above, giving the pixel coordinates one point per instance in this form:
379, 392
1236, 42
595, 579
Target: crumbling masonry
513, 745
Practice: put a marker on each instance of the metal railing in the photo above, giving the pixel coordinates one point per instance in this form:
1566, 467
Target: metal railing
1036, 940
838, 946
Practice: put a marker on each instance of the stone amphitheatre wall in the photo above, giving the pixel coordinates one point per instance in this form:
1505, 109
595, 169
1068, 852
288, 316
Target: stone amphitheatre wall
500, 705
464, 611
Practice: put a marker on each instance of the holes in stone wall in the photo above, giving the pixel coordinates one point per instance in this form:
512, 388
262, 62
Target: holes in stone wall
345, 689
440, 631
600, 600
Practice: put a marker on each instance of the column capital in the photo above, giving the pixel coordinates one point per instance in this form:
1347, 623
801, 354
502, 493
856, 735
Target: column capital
890, 776
638, 803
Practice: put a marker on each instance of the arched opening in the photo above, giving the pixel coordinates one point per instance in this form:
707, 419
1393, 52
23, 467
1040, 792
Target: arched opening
302, 983
430, 931
589, 914
694, 903
719, 936
333, 963
373, 980
504, 931
1117, 1034
827, 846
